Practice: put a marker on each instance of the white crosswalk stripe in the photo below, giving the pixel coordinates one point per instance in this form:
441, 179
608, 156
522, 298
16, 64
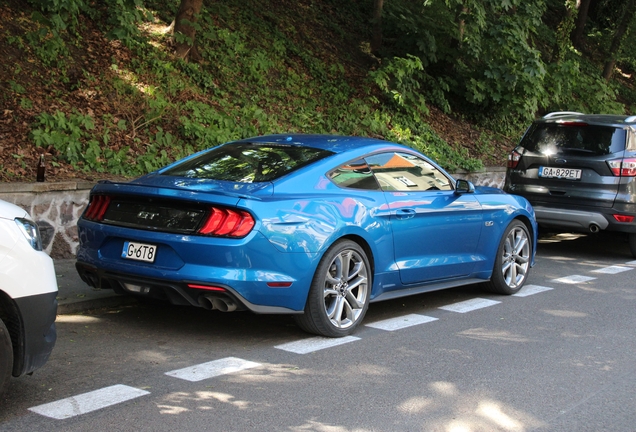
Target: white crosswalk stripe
212, 369
470, 305
613, 269
307, 346
401, 322
529, 290
87, 402
574, 279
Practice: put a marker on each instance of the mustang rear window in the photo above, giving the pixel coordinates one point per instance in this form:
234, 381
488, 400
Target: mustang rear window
574, 138
247, 162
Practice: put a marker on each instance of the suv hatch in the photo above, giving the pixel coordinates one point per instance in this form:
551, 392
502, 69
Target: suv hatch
578, 171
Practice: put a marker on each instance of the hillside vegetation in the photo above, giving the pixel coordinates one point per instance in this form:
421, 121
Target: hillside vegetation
94, 85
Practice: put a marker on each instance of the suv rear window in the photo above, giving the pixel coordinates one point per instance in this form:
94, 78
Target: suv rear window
573, 138
247, 162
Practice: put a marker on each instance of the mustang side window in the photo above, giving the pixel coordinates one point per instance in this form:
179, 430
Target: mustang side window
406, 172
354, 175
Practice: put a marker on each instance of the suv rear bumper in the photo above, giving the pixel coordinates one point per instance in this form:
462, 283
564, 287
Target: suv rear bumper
581, 220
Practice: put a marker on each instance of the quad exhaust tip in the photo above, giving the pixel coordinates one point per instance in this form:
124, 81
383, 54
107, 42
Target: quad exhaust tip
214, 302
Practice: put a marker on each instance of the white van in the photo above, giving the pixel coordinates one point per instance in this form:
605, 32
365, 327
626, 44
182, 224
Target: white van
28, 290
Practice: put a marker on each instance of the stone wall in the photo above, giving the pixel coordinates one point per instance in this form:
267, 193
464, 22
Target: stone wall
493, 176
57, 206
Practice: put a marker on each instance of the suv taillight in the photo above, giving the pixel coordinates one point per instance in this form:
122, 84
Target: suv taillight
226, 222
623, 167
97, 208
513, 159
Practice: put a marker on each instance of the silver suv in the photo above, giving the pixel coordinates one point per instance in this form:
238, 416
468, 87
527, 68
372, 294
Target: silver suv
579, 172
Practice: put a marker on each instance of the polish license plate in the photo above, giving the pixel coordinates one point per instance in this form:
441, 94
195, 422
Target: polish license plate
562, 173
139, 251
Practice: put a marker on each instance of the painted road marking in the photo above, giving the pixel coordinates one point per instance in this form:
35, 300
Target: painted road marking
306, 346
87, 402
212, 369
529, 290
401, 322
631, 263
612, 269
573, 279
470, 305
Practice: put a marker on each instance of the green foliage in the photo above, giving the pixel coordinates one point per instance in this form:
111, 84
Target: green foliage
26, 103
69, 136
61, 13
122, 18
271, 70
47, 40
400, 79
16, 88
564, 31
156, 154
576, 85
205, 126
55, 20
511, 84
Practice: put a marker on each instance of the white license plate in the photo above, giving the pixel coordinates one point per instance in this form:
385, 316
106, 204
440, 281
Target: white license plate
139, 251
562, 173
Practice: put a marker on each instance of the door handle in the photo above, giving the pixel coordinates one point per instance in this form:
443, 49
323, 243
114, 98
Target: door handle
405, 213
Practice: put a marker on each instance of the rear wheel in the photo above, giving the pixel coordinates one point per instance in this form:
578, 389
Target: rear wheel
6, 357
632, 243
339, 295
513, 260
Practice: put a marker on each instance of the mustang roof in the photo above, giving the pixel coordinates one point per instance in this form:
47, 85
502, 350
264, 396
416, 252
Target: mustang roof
334, 143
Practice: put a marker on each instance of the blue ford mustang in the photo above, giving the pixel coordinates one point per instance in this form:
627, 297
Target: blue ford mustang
311, 225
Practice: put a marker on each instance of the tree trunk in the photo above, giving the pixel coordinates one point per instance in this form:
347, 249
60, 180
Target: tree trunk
461, 26
564, 32
583, 7
187, 15
376, 39
628, 15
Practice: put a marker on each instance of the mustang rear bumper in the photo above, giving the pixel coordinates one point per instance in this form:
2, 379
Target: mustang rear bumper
176, 292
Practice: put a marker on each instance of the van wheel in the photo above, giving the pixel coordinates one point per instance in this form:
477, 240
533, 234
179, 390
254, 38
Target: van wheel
6, 357
632, 243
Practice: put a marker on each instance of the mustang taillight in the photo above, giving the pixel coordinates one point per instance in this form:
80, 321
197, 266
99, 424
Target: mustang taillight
97, 208
513, 159
228, 223
623, 167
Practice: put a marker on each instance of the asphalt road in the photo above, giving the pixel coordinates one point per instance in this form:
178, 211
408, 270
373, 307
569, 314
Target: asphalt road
560, 358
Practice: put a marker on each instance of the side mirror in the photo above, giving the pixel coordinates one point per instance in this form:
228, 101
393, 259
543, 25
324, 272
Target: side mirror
464, 186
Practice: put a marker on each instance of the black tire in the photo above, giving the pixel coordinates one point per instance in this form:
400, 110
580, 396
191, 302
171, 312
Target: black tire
6, 357
512, 263
339, 294
631, 239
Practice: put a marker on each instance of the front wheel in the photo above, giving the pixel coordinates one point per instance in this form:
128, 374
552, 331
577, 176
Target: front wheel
6, 357
339, 294
513, 260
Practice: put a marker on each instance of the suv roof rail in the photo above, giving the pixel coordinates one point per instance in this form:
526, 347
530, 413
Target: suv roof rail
560, 113
630, 119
